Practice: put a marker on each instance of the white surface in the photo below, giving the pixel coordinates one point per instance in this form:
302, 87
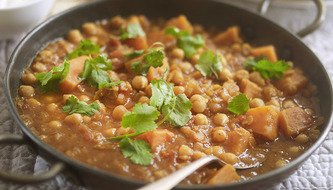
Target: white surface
316, 173
21, 17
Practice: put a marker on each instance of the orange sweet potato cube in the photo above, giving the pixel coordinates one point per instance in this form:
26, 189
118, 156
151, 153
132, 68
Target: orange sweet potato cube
238, 141
182, 23
292, 82
266, 51
294, 120
230, 36
227, 174
265, 122
157, 137
251, 89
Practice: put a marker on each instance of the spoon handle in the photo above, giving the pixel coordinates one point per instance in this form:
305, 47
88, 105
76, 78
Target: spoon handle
172, 180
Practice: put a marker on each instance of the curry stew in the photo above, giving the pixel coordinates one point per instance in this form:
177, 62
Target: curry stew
144, 98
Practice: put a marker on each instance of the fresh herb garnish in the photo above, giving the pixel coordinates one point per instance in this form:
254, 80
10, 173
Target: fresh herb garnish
141, 119
138, 151
85, 47
49, 81
239, 104
154, 58
175, 109
209, 63
186, 41
73, 105
132, 30
134, 54
268, 69
95, 72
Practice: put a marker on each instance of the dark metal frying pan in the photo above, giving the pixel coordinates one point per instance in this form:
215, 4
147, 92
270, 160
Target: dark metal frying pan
256, 29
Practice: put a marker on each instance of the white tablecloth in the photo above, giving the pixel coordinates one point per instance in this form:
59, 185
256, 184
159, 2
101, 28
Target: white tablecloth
316, 173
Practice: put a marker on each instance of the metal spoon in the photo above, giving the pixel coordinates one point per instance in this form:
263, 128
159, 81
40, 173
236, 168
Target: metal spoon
172, 180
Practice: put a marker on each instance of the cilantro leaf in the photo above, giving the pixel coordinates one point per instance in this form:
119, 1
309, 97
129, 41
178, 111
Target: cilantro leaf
175, 109
154, 58
239, 104
178, 113
85, 47
141, 119
162, 93
95, 72
49, 81
268, 69
132, 30
134, 54
186, 41
209, 63
138, 151
73, 105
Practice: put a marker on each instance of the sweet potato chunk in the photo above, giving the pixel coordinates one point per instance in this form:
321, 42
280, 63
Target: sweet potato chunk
265, 122
266, 51
157, 137
72, 79
182, 23
227, 174
292, 82
294, 120
251, 89
238, 141
139, 42
230, 36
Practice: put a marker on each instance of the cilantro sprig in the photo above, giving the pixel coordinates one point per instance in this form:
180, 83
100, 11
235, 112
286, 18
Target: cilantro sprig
73, 105
132, 30
268, 69
85, 47
48, 81
175, 109
186, 41
138, 151
209, 63
239, 104
153, 58
134, 54
95, 72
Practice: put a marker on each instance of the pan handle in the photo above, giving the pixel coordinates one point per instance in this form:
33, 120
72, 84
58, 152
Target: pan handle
320, 17
20, 178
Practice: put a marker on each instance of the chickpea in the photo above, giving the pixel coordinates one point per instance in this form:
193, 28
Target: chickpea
33, 102
225, 74
29, 79
198, 154
217, 150
139, 82
110, 132
186, 67
215, 107
26, 91
199, 106
178, 90
52, 108
219, 135
229, 158
200, 119
86, 119
121, 99
178, 77
123, 131
118, 112
39, 67
257, 102
178, 53
241, 74
74, 119
288, 104
144, 100
55, 124
280, 163
294, 150
185, 152
74, 36
220, 119
195, 58
84, 98
269, 92
198, 97
302, 138
90, 28
257, 78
